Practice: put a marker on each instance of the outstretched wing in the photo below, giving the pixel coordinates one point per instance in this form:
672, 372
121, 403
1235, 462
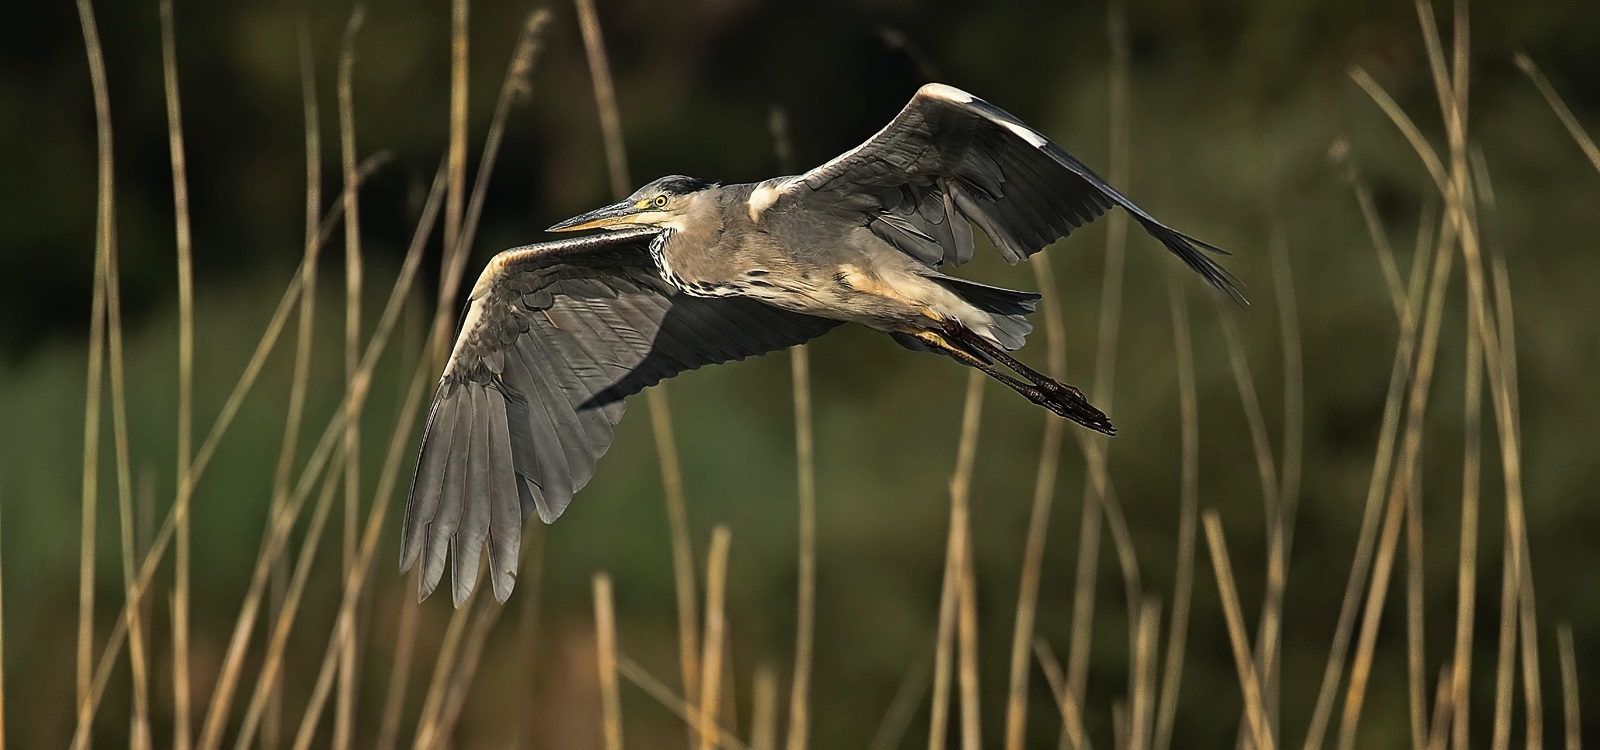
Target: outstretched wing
950, 155
554, 337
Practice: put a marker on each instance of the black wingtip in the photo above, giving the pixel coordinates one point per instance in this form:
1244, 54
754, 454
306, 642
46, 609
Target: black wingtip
1193, 254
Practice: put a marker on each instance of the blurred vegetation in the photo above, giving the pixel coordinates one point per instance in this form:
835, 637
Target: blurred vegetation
1235, 106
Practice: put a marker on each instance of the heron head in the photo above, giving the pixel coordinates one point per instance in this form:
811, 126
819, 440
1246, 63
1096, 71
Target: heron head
662, 203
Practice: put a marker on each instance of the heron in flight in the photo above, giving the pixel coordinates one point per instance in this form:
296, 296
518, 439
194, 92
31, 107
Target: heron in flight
691, 273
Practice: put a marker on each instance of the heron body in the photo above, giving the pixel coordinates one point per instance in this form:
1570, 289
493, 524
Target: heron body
690, 273
733, 243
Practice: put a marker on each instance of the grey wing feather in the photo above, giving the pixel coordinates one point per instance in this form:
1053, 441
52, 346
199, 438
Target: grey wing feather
949, 158
555, 337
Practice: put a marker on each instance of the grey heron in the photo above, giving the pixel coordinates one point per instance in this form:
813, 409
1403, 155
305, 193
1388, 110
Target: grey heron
691, 273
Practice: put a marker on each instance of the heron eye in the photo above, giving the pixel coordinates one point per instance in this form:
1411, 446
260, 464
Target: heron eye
661, 201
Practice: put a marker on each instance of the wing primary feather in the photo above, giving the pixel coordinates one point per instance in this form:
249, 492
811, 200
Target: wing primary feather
505, 523
474, 526
452, 497
426, 485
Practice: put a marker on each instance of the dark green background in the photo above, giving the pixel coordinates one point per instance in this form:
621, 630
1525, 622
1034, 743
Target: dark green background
1234, 108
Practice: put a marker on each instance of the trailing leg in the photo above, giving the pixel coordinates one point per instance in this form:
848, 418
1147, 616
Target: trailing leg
1061, 399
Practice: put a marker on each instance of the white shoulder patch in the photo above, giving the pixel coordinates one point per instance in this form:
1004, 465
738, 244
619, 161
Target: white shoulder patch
764, 196
1024, 132
947, 93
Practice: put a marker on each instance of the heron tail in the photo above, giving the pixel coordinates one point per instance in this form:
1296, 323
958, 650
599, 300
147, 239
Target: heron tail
1008, 309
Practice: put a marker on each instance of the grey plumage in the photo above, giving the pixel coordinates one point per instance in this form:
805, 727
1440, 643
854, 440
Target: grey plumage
556, 335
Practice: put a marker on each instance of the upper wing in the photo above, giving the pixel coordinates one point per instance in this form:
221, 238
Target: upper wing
950, 155
554, 337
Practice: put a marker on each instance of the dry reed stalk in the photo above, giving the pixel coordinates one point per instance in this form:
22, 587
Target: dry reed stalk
344, 713
1255, 708
1527, 629
763, 709
302, 357
488, 612
1366, 538
1505, 653
805, 460
677, 705
1467, 560
405, 651
455, 251
1266, 465
1416, 661
958, 547
139, 722
284, 621
892, 727
1044, 484
1188, 514
1568, 120
144, 512
605, 635
527, 638
1369, 215
806, 590
939, 713
443, 663
711, 662
1272, 510
1439, 734
1141, 711
1571, 706
966, 585
660, 408
1505, 321
1071, 719
184, 245
105, 237
138, 662
1293, 440
1098, 499
319, 693
967, 632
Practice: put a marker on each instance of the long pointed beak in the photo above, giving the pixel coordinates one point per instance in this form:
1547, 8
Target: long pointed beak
612, 216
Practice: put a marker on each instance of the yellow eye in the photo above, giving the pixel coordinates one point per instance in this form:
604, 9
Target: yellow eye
661, 201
